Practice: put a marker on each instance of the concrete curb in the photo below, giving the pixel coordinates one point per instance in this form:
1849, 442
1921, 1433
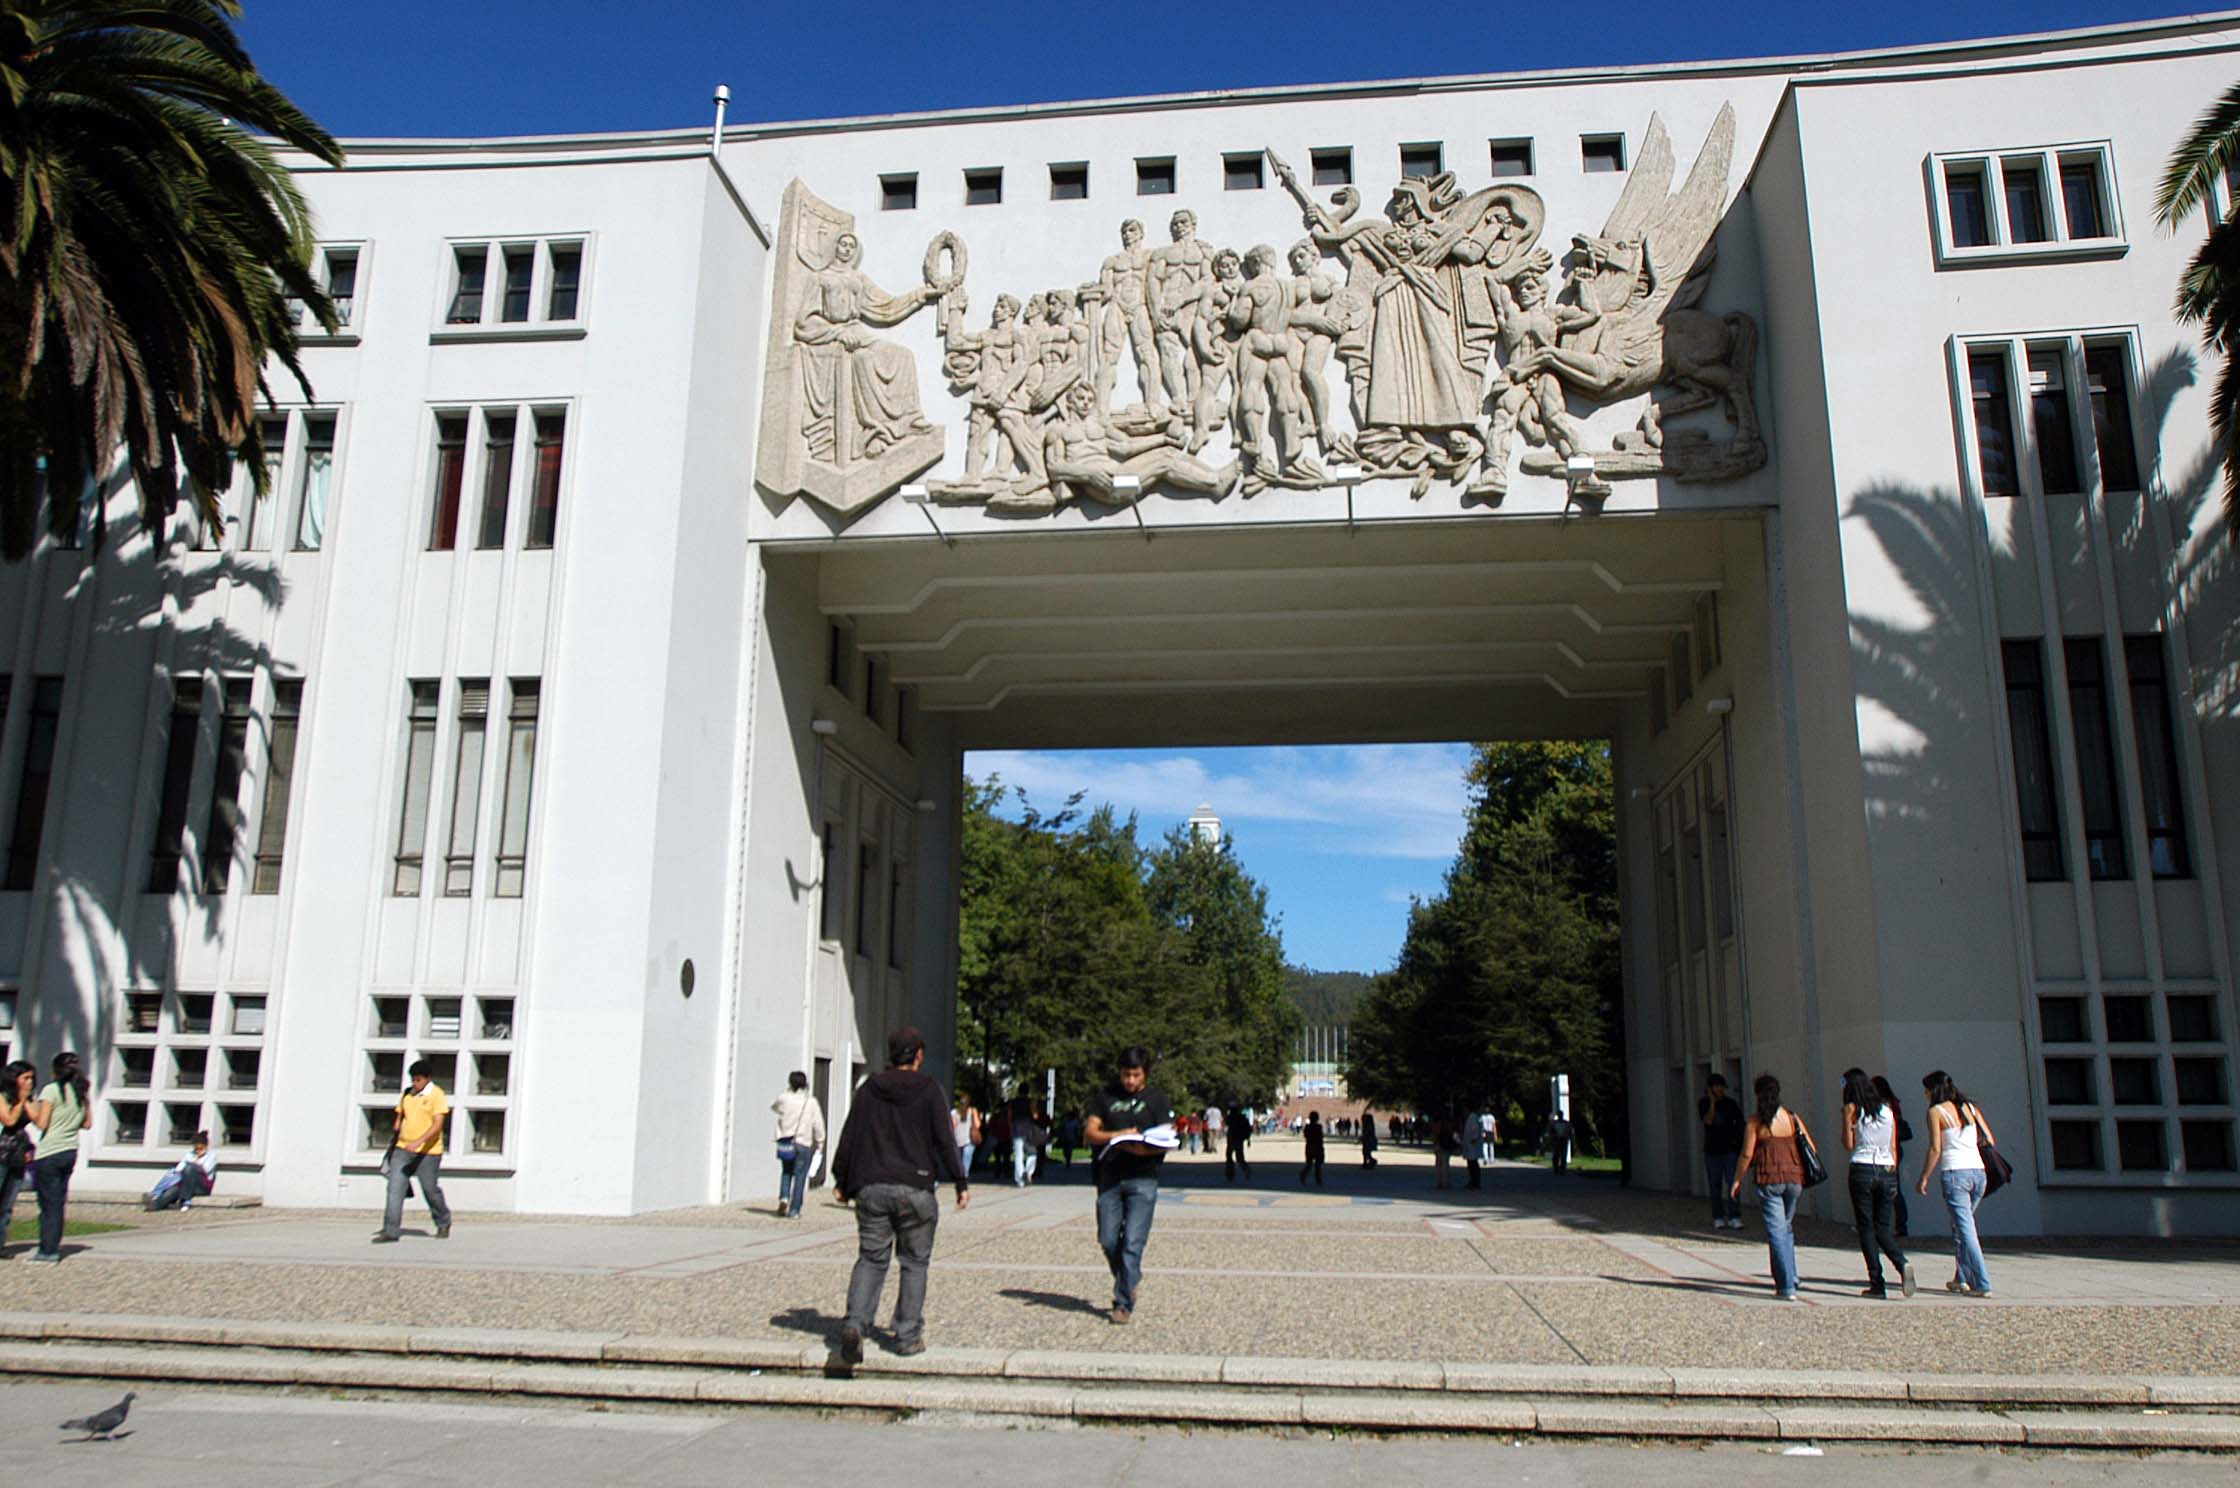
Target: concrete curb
2066, 1411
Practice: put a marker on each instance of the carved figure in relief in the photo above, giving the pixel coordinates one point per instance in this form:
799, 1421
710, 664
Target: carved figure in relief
1085, 454
1123, 285
1212, 361
862, 392
1528, 396
1269, 357
1318, 313
979, 364
1179, 273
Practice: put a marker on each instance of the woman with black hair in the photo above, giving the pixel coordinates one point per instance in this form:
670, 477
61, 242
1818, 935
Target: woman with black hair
1771, 1157
16, 1082
1956, 1128
60, 1114
1898, 1148
800, 1133
1870, 1135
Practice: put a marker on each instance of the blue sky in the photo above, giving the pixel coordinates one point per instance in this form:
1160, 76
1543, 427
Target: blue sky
479, 67
1341, 836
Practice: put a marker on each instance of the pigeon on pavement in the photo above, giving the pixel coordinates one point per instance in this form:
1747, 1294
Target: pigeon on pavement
102, 1424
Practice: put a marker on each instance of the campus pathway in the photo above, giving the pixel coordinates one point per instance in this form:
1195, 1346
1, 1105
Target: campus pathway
1531, 1269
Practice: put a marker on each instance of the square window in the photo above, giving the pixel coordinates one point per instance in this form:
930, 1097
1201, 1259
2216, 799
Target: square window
1602, 153
2130, 1021
2140, 1147
492, 1073
380, 1124
237, 1125
190, 1069
248, 1017
2208, 1146
243, 1066
1512, 157
497, 1018
1333, 166
443, 1068
2076, 1145
194, 1012
143, 1012
1421, 161
899, 193
389, 1017
443, 1017
2137, 1082
1155, 177
181, 1120
1243, 172
1069, 182
136, 1068
2200, 1081
128, 1122
2193, 1019
2069, 1082
983, 188
385, 1072
489, 1131
2061, 1020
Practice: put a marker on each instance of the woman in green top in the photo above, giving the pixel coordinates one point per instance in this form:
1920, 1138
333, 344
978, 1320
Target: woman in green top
60, 1112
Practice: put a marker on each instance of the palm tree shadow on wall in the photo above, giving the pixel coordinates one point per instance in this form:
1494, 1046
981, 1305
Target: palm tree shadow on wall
92, 899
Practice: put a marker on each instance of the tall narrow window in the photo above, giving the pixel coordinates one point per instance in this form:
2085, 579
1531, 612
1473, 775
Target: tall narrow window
2026, 201
520, 268
466, 788
1966, 207
867, 890
544, 490
224, 834
2096, 758
419, 778
256, 532
497, 478
894, 914
2050, 424
1987, 377
2080, 199
178, 783
874, 688
521, 768
2027, 727
469, 266
2153, 726
451, 475
342, 284
314, 482
31, 790
2106, 375
829, 896
279, 786
566, 295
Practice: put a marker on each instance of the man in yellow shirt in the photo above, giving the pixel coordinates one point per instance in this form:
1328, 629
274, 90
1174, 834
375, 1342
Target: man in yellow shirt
417, 1151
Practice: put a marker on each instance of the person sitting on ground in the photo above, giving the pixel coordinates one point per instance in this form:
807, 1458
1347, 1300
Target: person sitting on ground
188, 1180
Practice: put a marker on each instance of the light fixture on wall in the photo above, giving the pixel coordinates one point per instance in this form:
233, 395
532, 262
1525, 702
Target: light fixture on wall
1717, 706
823, 726
925, 806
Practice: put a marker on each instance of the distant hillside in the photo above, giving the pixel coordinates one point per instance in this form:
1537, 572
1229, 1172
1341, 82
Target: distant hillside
1325, 997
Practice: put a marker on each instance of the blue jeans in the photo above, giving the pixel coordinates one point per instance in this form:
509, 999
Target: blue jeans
12, 1181
1123, 1225
891, 1217
964, 1156
1777, 1205
50, 1178
793, 1177
1963, 1190
1718, 1167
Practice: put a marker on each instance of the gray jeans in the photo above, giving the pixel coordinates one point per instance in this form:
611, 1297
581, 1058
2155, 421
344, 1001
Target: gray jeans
892, 1216
403, 1168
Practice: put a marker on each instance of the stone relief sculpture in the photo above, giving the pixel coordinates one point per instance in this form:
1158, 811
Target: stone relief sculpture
841, 418
1451, 345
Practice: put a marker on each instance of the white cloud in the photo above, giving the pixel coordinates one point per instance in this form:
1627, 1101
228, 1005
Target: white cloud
1389, 801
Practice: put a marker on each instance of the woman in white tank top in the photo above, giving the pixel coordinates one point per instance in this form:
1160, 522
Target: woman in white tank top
1870, 1131
1956, 1126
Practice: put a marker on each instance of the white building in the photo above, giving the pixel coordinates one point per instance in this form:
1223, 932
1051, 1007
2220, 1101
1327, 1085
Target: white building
585, 711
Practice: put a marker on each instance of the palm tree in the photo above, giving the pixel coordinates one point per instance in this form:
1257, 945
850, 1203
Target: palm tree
2209, 291
150, 245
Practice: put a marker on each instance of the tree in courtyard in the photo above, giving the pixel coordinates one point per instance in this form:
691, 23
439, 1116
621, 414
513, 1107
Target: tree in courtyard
1201, 891
2209, 290
150, 247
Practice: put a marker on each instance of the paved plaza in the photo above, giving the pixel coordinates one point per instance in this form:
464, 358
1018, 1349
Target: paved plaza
1531, 1269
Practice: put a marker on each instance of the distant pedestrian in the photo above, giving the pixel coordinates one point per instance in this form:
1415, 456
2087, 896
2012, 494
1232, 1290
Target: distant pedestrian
1559, 1144
1121, 1120
964, 1124
1236, 1125
896, 1146
416, 1151
800, 1137
1368, 1140
1314, 1150
189, 1178
1870, 1135
1776, 1166
1956, 1131
1472, 1136
1027, 1137
60, 1114
1210, 1121
1722, 1149
1905, 1135
16, 1082
1443, 1145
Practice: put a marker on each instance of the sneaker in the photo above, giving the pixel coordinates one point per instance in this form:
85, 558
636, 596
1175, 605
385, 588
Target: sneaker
1784, 1296
41, 1258
1972, 1291
443, 1232
1878, 1293
909, 1350
383, 1237
1956, 1285
851, 1345
1905, 1282
1118, 1315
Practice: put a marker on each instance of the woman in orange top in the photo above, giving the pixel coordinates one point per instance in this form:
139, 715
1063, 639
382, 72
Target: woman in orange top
1770, 1156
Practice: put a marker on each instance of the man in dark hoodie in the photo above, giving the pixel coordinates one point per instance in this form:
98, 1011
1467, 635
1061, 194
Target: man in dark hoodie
897, 1145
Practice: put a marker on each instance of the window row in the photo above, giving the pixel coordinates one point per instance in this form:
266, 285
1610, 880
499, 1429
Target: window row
471, 761
890, 705
2028, 400
292, 512
2093, 695
495, 287
207, 744
2056, 201
468, 1042
1247, 170
183, 1062
509, 458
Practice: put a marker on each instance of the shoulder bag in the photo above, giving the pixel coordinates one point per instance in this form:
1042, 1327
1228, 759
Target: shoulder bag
1997, 1171
1815, 1172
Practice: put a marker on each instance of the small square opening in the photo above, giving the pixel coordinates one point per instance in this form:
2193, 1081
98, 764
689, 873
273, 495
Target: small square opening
136, 1068
181, 1120
128, 1122
492, 1073
2130, 1019
2193, 1020
444, 1017
2061, 1020
489, 1131
380, 1125
1069, 182
983, 188
2136, 1082
248, 1017
1422, 161
237, 1125
242, 1068
385, 1072
2140, 1147
2069, 1082
1512, 157
1155, 177
1332, 166
1601, 153
194, 1012
2200, 1081
190, 1068
389, 1014
497, 1017
1243, 172
2208, 1146
443, 1069
899, 193
2076, 1145
143, 1012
